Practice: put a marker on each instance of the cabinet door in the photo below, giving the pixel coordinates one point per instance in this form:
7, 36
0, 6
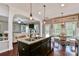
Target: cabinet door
37, 52
36, 49
41, 50
48, 46
23, 49
44, 48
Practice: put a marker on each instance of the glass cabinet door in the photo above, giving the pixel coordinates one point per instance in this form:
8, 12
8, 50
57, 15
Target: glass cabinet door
25, 28
36, 27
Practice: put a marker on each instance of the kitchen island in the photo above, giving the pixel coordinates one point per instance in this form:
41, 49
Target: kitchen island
34, 47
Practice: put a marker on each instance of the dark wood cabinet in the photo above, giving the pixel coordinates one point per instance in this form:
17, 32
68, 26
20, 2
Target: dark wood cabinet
23, 49
41, 48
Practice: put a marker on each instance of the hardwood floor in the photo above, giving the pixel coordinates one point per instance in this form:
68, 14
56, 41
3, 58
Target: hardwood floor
14, 52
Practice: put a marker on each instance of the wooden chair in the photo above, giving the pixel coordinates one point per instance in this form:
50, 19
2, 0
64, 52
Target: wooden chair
57, 47
70, 48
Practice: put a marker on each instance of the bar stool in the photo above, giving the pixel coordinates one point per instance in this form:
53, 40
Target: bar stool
70, 48
77, 47
57, 46
52, 43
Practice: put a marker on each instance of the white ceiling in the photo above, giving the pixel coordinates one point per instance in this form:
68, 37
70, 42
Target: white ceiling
52, 9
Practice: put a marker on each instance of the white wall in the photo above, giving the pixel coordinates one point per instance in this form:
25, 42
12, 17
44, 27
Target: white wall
15, 11
4, 27
4, 10
4, 46
16, 27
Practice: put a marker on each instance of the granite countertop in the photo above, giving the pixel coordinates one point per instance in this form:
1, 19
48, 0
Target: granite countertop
31, 42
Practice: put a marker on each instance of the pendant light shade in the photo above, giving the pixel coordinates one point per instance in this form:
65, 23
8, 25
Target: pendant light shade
31, 11
44, 14
19, 20
31, 16
62, 19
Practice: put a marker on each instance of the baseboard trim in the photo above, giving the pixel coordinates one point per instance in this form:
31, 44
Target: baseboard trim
5, 50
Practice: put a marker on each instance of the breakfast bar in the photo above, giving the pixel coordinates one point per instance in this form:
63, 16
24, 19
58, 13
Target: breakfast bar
40, 46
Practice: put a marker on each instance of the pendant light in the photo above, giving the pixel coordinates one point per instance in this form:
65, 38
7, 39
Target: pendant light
62, 6
44, 14
31, 11
63, 30
19, 21
62, 19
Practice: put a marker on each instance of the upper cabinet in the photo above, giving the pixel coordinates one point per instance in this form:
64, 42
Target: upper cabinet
23, 24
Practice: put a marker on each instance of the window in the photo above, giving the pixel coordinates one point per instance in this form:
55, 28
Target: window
70, 28
57, 29
36, 27
25, 28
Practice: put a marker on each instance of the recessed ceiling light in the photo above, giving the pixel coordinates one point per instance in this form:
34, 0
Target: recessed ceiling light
39, 12
62, 5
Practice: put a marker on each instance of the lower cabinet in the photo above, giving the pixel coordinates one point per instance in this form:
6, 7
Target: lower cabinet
41, 48
48, 46
23, 49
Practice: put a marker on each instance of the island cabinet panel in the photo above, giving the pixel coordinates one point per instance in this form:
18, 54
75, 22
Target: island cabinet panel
41, 48
23, 49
